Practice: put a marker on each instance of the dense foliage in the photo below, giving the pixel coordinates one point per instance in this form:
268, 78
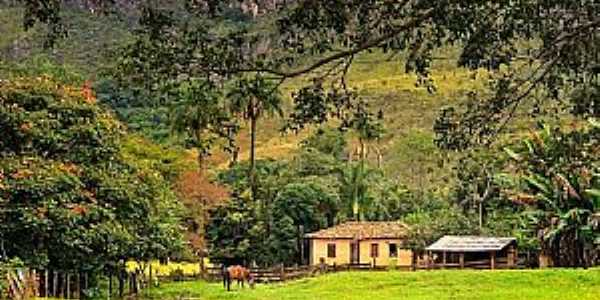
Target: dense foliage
559, 183
69, 200
315, 189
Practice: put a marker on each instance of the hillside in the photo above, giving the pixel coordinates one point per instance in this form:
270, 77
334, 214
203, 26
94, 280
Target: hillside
408, 153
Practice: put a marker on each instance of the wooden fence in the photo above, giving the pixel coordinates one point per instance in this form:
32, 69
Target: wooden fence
23, 284
18, 284
266, 275
281, 273
482, 264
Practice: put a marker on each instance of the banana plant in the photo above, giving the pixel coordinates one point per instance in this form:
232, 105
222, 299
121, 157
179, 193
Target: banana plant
560, 187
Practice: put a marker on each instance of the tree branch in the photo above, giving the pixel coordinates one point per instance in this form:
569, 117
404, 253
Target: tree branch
363, 47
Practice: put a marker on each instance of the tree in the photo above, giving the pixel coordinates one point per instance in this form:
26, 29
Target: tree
229, 232
199, 195
309, 206
477, 188
199, 114
68, 199
251, 98
327, 140
428, 226
355, 180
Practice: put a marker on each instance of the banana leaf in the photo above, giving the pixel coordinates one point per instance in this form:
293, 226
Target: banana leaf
539, 182
512, 154
595, 195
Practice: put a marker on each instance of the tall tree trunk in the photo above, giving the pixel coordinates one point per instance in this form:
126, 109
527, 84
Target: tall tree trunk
200, 162
200, 154
122, 275
253, 119
363, 153
110, 284
480, 216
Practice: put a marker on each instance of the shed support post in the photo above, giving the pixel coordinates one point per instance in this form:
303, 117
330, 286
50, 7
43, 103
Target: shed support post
461, 259
493, 260
444, 260
429, 259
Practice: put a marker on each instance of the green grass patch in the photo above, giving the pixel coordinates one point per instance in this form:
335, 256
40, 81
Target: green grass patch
435, 285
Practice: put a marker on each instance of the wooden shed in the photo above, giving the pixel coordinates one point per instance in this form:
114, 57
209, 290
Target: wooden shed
473, 252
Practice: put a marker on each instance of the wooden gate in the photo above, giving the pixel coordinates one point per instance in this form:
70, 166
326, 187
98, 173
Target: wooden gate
21, 284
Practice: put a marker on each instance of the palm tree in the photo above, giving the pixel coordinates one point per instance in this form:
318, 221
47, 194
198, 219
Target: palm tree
356, 177
355, 180
251, 98
199, 116
367, 127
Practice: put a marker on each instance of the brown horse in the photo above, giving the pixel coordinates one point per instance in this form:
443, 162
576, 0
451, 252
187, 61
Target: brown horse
238, 273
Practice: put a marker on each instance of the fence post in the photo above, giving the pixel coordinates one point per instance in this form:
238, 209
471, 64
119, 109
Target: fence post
78, 285
55, 284
36, 284
150, 282
130, 279
282, 272
202, 268
121, 283
135, 282
46, 283
61, 285
68, 295
110, 283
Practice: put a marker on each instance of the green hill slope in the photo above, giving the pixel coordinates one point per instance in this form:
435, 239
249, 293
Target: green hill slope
407, 150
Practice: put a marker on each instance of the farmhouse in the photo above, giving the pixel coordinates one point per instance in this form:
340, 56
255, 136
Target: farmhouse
473, 252
376, 243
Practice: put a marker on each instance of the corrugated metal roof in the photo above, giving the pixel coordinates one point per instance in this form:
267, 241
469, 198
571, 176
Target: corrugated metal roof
362, 230
451, 243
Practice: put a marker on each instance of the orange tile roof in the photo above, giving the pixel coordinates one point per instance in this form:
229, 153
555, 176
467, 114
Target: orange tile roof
362, 231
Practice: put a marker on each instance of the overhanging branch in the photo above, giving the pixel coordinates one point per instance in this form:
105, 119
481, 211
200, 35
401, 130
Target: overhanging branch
343, 54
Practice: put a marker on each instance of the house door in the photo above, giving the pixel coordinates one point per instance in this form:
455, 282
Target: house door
354, 253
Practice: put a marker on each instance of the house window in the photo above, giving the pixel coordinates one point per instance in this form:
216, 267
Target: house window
331, 250
374, 250
393, 250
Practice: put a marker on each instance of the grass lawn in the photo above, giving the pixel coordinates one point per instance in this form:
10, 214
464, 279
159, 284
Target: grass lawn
435, 285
